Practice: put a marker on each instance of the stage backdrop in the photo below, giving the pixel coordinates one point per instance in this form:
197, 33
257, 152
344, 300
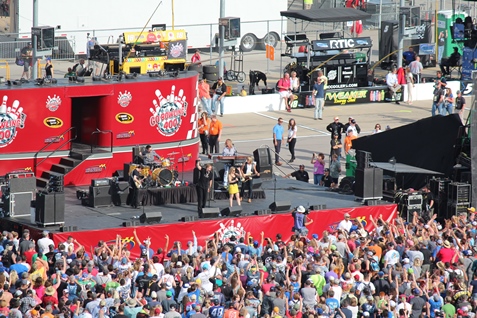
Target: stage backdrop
427, 143
226, 227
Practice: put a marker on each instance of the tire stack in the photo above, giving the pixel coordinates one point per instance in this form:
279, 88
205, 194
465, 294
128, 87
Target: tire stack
198, 68
211, 73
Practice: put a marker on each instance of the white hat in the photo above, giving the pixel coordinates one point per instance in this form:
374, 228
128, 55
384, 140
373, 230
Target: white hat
179, 263
392, 303
238, 250
406, 260
300, 209
168, 285
153, 294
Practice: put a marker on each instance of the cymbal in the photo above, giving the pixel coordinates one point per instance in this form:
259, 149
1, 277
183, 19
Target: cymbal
173, 153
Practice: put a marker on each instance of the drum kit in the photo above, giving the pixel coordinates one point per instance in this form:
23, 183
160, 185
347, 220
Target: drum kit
159, 174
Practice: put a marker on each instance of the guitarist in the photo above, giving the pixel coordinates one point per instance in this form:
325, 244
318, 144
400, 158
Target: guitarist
135, 184
248, 171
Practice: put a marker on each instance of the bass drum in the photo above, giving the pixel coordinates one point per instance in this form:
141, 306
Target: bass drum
163, 176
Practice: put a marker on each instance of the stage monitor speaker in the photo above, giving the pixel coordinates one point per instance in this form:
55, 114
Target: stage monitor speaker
280, 206
317, 207
362, 74
18, 203
119, 174
119, 192
99, 196
263, 212
22, 184
232, 211
150, 217
70, 228
257, 184
50, 209
130, 223
369, 183
189, 218
264, 162
208, 213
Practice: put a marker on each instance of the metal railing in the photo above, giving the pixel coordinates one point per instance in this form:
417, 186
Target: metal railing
64, 49
55, 140
95, 134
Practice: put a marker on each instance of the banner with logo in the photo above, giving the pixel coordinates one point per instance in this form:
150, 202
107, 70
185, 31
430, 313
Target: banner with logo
270, 225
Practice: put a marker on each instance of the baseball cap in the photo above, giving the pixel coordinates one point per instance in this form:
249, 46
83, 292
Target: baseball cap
315, 236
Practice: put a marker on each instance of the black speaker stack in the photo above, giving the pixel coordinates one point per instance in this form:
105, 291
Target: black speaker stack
264, 162
369, 183
458, 198
56, 182
50, 208
439, 187
18, 195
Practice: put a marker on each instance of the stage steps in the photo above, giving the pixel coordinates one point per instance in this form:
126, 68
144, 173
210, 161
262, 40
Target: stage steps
79, 153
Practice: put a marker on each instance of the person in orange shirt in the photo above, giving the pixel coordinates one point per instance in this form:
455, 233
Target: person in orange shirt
203, 126
215, 131
348, 142
232, 312
204, 96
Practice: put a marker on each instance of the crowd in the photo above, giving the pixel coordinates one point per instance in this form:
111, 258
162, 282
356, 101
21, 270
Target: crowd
420, 268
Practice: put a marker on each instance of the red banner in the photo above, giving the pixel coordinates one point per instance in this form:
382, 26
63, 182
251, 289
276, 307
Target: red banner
226, 227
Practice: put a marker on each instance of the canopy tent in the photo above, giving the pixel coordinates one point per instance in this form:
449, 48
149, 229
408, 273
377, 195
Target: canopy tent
327, 15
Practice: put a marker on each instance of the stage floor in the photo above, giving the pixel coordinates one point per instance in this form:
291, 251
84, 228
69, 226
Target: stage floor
89, 218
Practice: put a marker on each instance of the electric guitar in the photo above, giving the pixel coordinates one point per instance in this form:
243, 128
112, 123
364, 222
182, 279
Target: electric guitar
248, 176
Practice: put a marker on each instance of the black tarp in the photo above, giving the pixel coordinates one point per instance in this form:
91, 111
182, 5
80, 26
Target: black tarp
388, 40
428, 143
327, 15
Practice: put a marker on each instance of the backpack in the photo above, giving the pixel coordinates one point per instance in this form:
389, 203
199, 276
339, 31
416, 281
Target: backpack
374, 266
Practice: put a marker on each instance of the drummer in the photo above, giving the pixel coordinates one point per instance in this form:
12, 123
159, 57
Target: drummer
148, 156
229, 149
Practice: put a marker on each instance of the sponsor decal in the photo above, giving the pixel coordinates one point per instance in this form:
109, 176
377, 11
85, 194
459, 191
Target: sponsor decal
124, 99
53, 103
53, 122
124, 118
12, 118
168, 112
54, 139
346, 97
125, 134
95, 169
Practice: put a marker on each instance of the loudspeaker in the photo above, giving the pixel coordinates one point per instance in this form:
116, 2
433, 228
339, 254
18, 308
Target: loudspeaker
362, 74
130, 223
264, 162
189, 218
369, 183
232, 211
119, 192
70, 228
99, 182
263, 212
257, 183
119, 174
22, 184
99, 196
208, 213
316, 207
18, 204
50, 209
280, 206
150, 217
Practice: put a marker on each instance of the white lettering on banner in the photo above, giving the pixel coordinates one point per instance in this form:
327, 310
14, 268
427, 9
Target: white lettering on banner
342, 85
468, 88
341, 44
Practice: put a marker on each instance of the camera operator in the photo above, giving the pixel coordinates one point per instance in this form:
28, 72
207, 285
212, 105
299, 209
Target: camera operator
300, 221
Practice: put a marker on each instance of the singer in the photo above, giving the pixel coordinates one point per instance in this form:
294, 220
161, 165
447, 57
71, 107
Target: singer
203, 184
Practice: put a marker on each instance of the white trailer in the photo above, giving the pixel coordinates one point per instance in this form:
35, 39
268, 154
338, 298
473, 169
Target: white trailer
107, 19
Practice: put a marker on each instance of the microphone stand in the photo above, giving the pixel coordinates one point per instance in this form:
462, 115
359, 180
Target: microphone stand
182, 161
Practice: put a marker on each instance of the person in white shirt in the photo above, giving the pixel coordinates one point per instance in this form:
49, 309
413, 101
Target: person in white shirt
393, 83
346, 224
45, 242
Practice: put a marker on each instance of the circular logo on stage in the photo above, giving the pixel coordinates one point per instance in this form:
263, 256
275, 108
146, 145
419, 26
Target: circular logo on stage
12, 118
332, 75
168, 112
124, 99
53, 103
